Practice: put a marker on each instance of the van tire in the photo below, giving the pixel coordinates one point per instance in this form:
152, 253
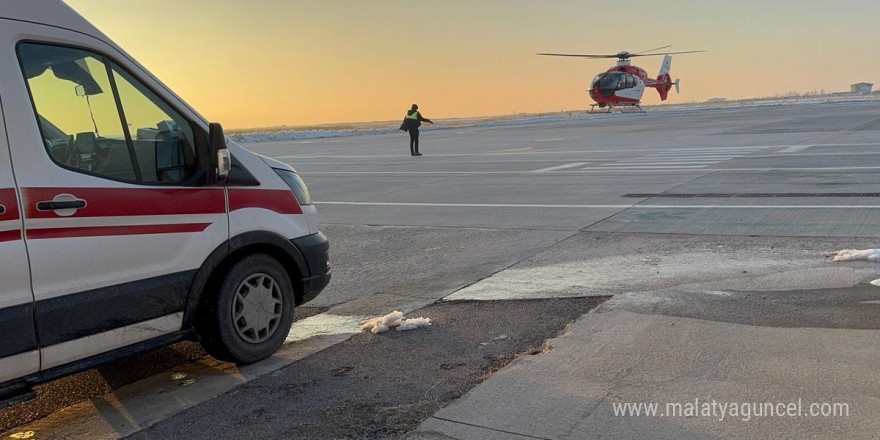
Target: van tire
241, 331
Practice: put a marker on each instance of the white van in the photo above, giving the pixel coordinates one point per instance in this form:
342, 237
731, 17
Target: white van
126, 220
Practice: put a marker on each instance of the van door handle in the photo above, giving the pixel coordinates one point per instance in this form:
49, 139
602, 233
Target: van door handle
55, 206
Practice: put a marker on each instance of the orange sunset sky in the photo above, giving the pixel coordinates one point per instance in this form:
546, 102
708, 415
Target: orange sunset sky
263, 63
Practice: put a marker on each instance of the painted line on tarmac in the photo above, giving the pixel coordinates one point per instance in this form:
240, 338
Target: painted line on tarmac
588, 171
658, 156
545, 152
324, 324
545, 206
560, 167
533, 160
795, 149
682, 164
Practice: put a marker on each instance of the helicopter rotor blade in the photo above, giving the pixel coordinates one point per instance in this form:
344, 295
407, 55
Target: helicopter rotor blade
652, 50
621, 55
577, 55
665, 53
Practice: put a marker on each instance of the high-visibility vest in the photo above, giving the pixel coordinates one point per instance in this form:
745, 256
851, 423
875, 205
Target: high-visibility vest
414, 115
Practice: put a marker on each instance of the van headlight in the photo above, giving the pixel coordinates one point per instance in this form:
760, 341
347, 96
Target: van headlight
296, 184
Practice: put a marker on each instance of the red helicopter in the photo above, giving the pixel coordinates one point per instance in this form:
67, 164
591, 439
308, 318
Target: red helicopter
624, 84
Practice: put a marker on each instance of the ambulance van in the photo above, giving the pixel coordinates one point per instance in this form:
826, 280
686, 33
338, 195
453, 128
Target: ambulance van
127, 221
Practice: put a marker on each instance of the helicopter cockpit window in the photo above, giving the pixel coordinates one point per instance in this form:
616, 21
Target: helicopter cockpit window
611, 81
596, 79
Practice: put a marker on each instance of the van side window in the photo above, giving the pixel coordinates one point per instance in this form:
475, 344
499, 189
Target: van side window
96, 118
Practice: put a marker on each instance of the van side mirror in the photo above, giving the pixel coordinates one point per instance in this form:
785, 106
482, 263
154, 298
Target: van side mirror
217, 146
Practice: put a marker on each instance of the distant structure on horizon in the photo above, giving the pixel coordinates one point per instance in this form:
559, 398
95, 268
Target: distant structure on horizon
861, 87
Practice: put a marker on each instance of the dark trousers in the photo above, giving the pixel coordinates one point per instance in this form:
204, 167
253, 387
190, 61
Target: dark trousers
413, 141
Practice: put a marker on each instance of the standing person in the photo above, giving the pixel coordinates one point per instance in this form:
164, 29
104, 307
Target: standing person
411, 123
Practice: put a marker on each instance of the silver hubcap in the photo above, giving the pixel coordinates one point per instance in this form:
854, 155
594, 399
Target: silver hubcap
256, 308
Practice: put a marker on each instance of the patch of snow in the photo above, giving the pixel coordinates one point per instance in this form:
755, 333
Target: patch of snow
618, 274
413, 323
382, 324
394, 319
856, 254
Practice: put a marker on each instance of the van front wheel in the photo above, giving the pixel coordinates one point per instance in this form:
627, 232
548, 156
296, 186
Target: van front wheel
251, 314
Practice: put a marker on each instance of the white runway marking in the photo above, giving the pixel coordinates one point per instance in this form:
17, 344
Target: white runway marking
675, 158
656, 166
744, 148
661, 169
666, 159
636, 163
545, 206
556, 139
324, 324
563, 152
795, 149
686, 156
560, 167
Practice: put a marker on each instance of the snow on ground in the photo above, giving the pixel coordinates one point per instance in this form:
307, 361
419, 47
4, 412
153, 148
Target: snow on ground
447, 124
394, 319
856, 254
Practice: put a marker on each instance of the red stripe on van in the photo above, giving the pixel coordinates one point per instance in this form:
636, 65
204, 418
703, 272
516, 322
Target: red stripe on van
125, 202
280, 201
9, 201
10, 235
99, 231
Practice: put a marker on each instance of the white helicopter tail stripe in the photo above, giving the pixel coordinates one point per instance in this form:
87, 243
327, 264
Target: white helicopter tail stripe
667, 64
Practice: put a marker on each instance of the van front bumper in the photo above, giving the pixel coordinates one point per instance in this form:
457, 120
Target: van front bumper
315, 249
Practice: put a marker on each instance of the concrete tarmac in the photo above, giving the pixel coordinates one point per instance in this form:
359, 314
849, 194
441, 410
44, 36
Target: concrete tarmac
775, 341
707, 379
741, 327
710, 230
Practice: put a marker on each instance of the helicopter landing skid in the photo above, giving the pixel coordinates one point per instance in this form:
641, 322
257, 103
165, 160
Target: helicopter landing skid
635, 108
593, 109
630, 108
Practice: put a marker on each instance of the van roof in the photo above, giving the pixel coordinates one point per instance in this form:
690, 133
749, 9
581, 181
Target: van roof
48, 12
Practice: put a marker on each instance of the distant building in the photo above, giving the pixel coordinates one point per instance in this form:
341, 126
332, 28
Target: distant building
861, 87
